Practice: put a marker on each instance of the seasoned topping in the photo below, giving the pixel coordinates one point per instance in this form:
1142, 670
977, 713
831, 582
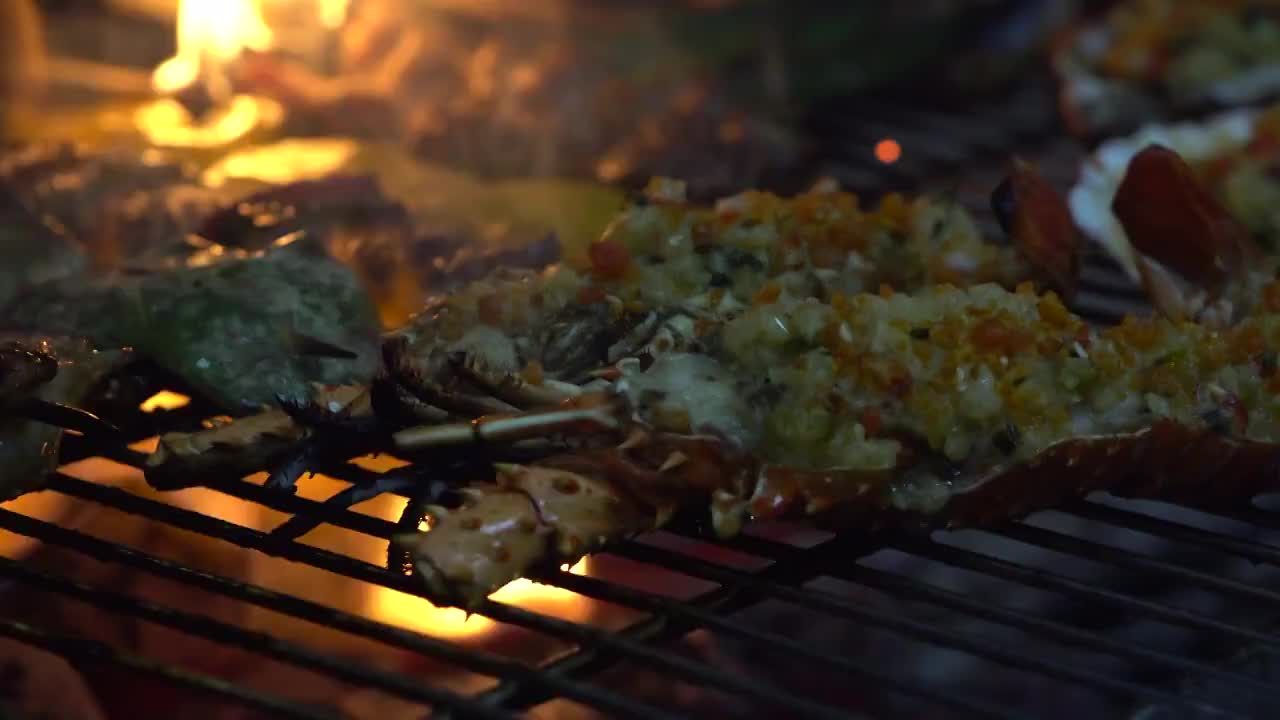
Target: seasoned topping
610, 259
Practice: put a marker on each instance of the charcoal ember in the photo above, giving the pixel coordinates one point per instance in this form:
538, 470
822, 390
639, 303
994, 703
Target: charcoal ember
38, 685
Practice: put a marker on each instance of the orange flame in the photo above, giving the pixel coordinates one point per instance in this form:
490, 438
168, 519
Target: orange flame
380, 603
414, 613
211, 33
164, 400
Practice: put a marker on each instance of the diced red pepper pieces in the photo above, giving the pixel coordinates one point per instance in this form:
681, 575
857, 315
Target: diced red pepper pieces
610, 259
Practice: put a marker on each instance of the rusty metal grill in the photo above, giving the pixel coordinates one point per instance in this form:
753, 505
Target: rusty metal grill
1103, 608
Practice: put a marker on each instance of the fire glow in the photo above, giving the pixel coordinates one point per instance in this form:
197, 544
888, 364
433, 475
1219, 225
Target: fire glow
376, 602
414, 613
211, 35
164, 400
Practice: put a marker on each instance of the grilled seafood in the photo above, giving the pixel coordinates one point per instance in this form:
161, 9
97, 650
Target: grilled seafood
1146, 58
1195, 259
239, 447
242, 328
949, 407
42, 381
666, 264
662, 273
1235, 155
201, 281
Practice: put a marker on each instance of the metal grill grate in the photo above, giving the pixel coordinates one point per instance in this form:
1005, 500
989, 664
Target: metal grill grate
1104, 608
1151, 674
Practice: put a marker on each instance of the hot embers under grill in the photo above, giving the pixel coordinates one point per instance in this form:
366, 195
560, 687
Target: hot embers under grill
1104, 608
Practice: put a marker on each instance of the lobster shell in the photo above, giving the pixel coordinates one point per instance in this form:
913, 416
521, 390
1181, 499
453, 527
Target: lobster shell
560, 509
1166, 461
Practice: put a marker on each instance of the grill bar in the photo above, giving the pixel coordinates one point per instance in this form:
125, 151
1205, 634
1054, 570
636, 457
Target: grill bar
1065, 634
836, 606
317, 513
474, 660
261, 643
1255, 551
1048, 580
656, 629
79, 651
1059, 542
585, 635
675, 664
672, 619
687, 617
664, 607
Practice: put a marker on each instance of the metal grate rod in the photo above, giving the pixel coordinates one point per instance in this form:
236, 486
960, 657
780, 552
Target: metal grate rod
1046, 580
1065, 634
665, 607
262, 643
680, 666
834, 605
1097, 552
80, 651
474, 660
1247, 549
586, 635
655, 629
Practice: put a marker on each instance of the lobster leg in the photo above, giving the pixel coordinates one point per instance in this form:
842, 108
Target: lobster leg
558, 509
597, 416
511, 388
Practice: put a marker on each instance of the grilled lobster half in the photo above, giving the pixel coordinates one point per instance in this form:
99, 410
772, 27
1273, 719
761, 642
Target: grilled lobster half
946, 406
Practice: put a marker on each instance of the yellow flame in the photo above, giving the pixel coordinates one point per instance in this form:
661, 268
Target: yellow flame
166, 123
211, 33
164, 400
333, 13
413, 613
283, 162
